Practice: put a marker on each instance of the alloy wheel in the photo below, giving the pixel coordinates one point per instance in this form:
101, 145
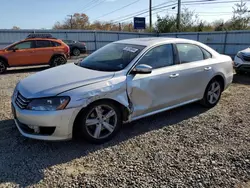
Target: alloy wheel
76, 52
213, 93
101, 121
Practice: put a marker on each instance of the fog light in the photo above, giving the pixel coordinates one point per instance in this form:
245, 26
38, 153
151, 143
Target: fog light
35, 128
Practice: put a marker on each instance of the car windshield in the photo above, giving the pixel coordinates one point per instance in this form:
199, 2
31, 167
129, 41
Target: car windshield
112, 57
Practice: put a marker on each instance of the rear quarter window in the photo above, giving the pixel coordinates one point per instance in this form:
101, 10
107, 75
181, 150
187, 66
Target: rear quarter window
55, 44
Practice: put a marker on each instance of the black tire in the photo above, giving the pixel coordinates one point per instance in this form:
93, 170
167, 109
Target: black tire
82, 131
57, 60
206, 98
76, 52
3, 66
239, 72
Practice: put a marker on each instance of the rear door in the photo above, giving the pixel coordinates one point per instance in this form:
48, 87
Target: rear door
195, 70
21, 53
43, 52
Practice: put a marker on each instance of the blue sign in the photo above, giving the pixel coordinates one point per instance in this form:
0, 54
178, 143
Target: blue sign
139, 23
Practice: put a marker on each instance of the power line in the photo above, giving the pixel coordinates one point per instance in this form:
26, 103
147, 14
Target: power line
159, 11
156, 7
141, 11
89, 4
118, 9
202, 2
145, 12
95, 5
195, 2
207, 12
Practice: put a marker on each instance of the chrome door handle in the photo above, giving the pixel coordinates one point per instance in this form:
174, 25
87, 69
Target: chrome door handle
174, 75
207, 68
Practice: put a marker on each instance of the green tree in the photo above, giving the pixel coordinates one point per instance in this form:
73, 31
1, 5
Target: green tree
219, 25
241, 17
78, 21
189, 22
15, 28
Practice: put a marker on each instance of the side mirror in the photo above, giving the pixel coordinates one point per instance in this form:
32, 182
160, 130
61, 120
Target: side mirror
142, 69
14, 49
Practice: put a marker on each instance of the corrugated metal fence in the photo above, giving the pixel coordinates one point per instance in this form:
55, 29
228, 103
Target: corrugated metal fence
93, 39
224, 42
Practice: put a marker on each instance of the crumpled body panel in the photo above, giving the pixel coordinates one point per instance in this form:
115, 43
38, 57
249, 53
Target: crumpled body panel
114, 89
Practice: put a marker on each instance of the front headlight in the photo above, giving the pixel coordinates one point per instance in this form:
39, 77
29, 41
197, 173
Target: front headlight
239, 55
49, 104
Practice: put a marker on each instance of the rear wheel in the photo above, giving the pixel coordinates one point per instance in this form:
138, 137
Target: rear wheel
3, 66
100, 122
212, 94
57, 60
76, 52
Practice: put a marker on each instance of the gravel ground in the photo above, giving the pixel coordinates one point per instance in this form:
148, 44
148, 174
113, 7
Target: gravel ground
185, 147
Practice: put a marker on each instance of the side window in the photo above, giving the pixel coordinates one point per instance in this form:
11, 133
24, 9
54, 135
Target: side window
23, 45
207, 55
160, 56
55, 43
189, 53
43, 44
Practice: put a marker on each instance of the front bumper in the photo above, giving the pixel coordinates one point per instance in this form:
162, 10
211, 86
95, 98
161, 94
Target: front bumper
45, 125
241, 65
83, 50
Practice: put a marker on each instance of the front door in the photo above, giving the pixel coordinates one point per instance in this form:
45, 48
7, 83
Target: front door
157, 90
21, 54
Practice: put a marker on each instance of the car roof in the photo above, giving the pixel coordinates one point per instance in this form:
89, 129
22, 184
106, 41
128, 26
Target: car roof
148, 41
54, 39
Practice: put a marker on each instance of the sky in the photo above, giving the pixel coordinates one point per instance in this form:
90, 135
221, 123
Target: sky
35, 14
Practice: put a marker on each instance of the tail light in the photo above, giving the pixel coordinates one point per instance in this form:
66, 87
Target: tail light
84, 43
66, 49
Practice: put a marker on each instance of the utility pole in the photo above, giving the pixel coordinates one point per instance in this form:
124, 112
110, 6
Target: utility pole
120, 27
150, 15
71, 18
179, 15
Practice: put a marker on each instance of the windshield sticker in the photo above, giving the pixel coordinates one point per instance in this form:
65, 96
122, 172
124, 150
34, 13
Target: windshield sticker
130, 49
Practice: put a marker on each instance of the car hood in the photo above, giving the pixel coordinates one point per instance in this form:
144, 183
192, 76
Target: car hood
246, 52
56, 80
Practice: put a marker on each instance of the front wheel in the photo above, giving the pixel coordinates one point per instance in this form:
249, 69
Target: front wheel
100, 122
212, 94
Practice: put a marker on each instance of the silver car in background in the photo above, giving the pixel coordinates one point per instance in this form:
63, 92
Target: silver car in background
121, 82
242, 61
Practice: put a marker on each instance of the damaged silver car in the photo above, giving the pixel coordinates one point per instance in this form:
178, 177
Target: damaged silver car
121, 82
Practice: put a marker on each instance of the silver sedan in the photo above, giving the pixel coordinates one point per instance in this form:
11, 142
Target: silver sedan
121, 82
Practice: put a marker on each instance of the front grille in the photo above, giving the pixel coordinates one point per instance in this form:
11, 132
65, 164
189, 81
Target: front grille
246, 57
21, 101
